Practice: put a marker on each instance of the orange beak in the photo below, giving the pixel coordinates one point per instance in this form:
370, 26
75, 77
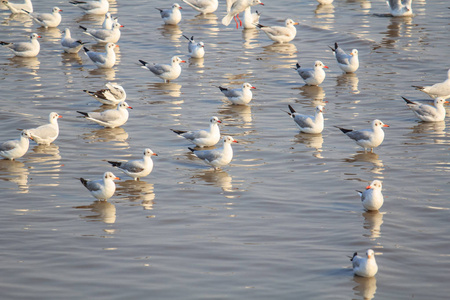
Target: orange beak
59, 117
60, 10
39, 36
446, 102
262, 3
368, 187
235, 141
385, 125
183, 61
325, 67
116, 178
155, 154
296, 23
253, 87
130, 107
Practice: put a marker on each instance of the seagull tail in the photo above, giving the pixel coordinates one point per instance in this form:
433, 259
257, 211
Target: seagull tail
115, 163
227, 20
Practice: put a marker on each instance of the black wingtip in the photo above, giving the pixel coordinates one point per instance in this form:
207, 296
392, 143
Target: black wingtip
115, 163
343, 129
83, 113
259, 25
335, 45
144, 63
418, 87
297, 66
159, 9
26, 11
178, 131
191, 149
83, 181
222, 88
186, 37
84, 28
291, 109
354, 254
407, 101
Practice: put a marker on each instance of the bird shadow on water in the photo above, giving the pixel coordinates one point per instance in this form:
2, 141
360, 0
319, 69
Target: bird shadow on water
31, 63
171, 32
372, 222
314, 141
218, 178
118, 135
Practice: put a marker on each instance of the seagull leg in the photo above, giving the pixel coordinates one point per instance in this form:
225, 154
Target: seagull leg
240, 22
236, 22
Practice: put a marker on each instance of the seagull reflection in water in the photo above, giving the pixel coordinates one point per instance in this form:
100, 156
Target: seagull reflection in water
118, 135
372, 222
370, 157
314, 141
365, 287
137, 191
104, 211
16, 172
218, 178
349, 80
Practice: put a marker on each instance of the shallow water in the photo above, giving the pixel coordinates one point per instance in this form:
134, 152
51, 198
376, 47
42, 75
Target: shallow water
281, 219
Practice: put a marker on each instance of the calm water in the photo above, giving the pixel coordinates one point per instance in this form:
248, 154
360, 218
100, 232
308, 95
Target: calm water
281, 219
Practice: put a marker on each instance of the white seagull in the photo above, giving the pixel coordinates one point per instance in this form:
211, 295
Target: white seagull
325, 2
196, 50
250, 19
47, 19
110, 118
441, 89
18, 8
92, 7
25, 49
103, 60
203, 6
364, 266
108, 21
348, 63
69, 44
171, 16
367, 138
372, 198
203, 137
240, 96
113, 94
137, 168
280, 34
400, 8
102, 189
16, 148
308, 124
312, 76
217, 157
104, 35
236, 8
46, 134
428, 113
165, 72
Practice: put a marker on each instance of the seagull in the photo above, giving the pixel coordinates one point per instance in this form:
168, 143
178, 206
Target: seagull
16, 148
92, 7
250, 19
364, 266
236, 8
203, 6
441, 89
46, 134
203, 137
171, 16
69, 44
165, 72
110, 118
348, 63
240, 96
196, 50
367, 138
325, 2
217, 157
400, 8
102, 189
280, 34
137, 168
308, 124
428, 113
113, 94
25, 49
104, 35
18, 8
372, 198
46, 19
103, 60
312, 76
108, 21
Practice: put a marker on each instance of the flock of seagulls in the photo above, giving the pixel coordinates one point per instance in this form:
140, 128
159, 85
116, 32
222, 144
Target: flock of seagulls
115, 95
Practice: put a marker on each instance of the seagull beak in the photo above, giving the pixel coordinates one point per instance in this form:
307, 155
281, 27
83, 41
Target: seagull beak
31, 138
262, 4
183, 61
116, 178
122, 26
117, 46
446, 102
39, 36
325, 67
61, 10
368, 187
59, 117
155, 154
253, 87
129, 107
296, 23
235, 141
385, 125
218, 121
